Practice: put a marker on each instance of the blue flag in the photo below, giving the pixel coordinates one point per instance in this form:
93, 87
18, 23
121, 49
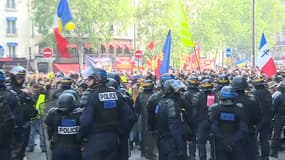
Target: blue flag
166, 54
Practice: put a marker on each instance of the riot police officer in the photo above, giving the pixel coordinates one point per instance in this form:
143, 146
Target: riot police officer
278, 108
263, 96
22, 107
123, 91
228, 126
7, 122
154, 99
65, 86
103, 118
223, 80
252, 112
62, 128
192, 89
141, 108
201, 102
171, 143
127, 124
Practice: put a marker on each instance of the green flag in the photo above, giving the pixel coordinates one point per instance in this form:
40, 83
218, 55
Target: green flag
184, 27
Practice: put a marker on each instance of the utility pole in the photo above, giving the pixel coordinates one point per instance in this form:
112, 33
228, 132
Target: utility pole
80, 51
253, 34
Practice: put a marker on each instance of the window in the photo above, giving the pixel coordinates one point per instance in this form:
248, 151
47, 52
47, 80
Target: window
103, 49
127, 51
111, 50
10, 4
11, 25
119, 51
12, 49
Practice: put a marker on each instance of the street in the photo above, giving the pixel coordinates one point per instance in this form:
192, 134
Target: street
135, 154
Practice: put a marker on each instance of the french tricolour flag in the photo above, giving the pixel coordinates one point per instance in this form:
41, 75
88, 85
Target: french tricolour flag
264, 58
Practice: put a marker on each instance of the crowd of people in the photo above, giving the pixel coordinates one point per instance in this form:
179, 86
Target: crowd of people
104, 115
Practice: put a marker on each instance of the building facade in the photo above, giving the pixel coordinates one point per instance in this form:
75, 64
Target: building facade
17, 38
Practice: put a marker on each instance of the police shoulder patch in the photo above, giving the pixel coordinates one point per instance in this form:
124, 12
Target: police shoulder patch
108, 96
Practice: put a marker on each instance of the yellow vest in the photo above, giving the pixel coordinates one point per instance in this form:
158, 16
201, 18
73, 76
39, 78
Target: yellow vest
40, 105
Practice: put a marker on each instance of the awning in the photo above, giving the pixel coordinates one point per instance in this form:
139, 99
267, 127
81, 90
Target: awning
65, 68
6, 59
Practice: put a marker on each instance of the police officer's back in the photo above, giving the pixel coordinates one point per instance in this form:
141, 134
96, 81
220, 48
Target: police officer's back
154, 99
171, 143
62, 128
252, 112
7, 122
263, 96
228, 127
100, 120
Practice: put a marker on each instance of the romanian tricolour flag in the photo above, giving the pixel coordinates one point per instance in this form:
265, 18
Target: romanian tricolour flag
264, 58
63, 21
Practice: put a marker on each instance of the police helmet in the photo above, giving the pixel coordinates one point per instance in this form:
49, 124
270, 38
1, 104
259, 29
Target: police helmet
147, 84
239, 83
66, 82
207, 85
114, 76
18, 72
112, 83
66, 102
223, 79
98, 74
59, 74
258, 80
83, 85
227, 95
278, 78
2, 77
164, 78
172, 86
281, 86
193, 81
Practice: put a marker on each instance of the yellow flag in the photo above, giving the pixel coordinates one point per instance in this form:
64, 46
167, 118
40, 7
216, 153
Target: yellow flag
184, 27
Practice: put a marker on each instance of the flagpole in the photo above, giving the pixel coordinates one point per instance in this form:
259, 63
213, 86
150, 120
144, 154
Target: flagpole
80, 51
197, 60
253, 34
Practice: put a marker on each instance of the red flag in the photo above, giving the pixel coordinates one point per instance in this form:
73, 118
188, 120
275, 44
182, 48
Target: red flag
61, 43
157, 69
151, 45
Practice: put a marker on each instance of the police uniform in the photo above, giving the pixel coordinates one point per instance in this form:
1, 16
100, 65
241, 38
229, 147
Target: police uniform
7, 123
23, 110
171, 143
102, 119
252, 112
263, 96
278, 107
62, 132
201, 102
147, 145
